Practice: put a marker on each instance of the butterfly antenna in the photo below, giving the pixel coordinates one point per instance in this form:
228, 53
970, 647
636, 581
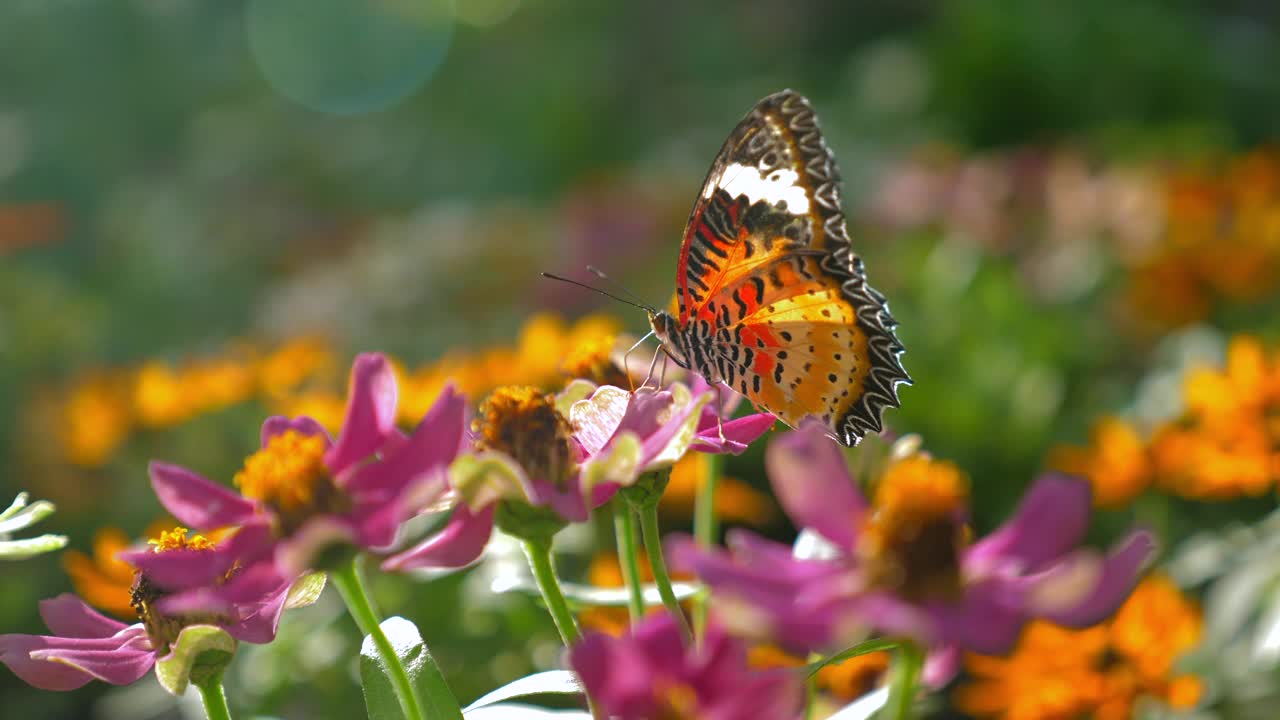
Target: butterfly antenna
619, 287
625, 301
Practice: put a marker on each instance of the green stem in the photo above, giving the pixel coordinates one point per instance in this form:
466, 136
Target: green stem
346, 576
624, 522
903, 678
214, 697
653, 547
705, 530
544, 573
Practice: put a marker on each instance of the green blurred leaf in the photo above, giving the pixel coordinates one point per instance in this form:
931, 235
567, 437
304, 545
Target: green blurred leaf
862, 648
380, 699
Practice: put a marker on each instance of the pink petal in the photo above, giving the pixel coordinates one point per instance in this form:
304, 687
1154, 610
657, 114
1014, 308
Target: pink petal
182, 569
434, 444
279, 424
119, 659
15, 653
738, 434
68, 616
941, 666
459, 544
1120, 572
371, 413
1051, 519
260, 625
253, 585
197, 502
987, 620
812, 482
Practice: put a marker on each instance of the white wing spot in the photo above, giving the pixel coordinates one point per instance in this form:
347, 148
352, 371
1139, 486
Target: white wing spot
777, 187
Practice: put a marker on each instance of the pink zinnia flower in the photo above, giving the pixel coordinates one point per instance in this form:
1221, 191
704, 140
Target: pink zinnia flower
89, 646
561, 455
651, 673
904, 566
303, 495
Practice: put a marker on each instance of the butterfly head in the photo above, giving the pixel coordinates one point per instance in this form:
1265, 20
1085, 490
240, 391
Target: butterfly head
667, 330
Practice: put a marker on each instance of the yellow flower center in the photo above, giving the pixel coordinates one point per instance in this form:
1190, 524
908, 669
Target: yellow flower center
163, 629
593, 360
912, 541
678, 701
290, 476
523, 422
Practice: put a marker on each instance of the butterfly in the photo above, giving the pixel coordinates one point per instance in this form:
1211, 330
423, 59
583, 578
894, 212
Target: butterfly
770, 298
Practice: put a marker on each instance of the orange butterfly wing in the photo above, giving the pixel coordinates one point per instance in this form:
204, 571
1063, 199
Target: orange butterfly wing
768, 282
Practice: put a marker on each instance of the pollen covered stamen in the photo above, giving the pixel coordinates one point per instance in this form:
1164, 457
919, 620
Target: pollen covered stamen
176, 539
913, 539
593, 360
290, 476
523, 422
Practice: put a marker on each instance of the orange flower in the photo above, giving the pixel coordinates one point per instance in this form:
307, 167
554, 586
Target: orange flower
1100, 672
1115, 463
1225, 445
1221, 241
104, 581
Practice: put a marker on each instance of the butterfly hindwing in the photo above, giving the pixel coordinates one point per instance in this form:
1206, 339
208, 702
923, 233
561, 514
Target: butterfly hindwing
768, 282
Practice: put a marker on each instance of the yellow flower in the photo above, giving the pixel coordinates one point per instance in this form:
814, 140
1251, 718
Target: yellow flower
159, 398
535, 360
96, 419
1100, 672
283, 370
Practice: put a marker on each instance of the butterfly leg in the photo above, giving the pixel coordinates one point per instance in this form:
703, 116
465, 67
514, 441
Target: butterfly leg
626, 370
652, 364
720, 413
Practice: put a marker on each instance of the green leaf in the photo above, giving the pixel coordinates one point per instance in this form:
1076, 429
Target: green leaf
561, 682
200, 650
862, 648
380, 699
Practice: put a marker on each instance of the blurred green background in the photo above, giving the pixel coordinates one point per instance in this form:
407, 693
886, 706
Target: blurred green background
390, 175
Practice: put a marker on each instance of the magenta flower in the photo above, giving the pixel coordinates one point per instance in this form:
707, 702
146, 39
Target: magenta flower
304, 494
562, 455
652, 674
88, 646
904, 567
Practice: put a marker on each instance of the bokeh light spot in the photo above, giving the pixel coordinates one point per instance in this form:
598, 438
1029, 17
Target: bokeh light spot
346, 57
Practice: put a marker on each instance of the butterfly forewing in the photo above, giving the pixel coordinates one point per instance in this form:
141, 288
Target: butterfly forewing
770, 297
